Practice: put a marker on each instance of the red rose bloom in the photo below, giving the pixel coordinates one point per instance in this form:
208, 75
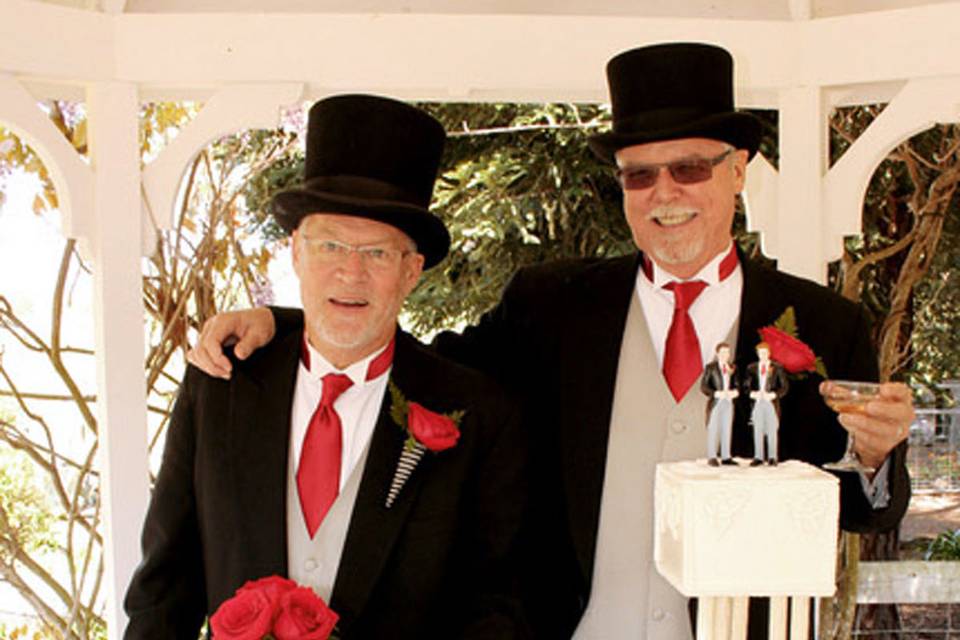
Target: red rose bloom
793, 354
432, 430
304, 616
246, 616
271, 586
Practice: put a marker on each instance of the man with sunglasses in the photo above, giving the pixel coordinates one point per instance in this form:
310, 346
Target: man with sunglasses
605, 354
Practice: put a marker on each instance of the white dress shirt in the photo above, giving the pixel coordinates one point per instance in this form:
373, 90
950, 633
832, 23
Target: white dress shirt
713, 312
358, 406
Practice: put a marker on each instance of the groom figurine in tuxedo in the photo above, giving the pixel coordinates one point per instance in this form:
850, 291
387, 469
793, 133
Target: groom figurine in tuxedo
292, 466
767, 383
605, 354
719, 384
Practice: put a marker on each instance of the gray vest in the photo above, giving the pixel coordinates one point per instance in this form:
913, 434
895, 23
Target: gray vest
629, 599
314, 563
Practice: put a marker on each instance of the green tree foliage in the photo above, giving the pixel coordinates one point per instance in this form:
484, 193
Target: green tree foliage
946, 546
26, 515
519, 186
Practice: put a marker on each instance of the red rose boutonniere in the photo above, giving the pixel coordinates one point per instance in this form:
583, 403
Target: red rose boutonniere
796, 357
273, 608
425, 429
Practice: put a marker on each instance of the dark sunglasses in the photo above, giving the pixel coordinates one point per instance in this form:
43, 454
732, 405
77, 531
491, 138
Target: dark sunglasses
689, 171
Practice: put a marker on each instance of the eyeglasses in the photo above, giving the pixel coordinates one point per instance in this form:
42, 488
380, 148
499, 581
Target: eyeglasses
334, 252
688, 171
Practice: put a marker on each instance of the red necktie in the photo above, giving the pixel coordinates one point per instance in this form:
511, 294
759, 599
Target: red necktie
318, 474
681, 359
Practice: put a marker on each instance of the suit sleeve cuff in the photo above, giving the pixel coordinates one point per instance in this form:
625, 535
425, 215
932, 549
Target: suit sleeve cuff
877, 490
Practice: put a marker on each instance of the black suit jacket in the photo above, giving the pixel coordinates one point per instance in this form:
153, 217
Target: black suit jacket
438, 563
555, 338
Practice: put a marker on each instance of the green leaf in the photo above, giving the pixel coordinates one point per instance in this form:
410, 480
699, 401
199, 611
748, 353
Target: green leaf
787, 322
945, 547
398, 405
820, 368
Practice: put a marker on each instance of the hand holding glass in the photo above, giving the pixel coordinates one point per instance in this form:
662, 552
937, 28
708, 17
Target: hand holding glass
844, 396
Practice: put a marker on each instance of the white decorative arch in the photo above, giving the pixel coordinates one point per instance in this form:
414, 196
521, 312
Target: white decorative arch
919, 105
231, 109
71, 176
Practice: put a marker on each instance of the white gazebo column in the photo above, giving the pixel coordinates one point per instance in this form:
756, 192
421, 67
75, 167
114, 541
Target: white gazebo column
803, 149
118, 304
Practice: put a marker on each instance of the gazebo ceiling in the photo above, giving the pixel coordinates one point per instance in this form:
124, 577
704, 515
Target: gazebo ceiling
713, 9
502, 50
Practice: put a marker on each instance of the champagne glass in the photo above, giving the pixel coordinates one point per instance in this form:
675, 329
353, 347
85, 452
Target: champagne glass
845, 396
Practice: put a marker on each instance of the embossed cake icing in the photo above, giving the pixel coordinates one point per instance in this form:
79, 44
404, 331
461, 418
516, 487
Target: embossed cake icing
740, 530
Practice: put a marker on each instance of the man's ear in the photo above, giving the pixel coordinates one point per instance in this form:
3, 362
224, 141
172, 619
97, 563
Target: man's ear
295, 256
739, 162
414, 271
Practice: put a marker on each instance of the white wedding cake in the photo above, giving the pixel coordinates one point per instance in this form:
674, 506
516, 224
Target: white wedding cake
736, 531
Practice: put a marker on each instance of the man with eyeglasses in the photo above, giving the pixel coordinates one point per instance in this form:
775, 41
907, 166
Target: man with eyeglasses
606, 352
345, 455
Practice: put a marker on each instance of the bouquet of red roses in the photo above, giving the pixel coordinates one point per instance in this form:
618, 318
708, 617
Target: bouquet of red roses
273, 608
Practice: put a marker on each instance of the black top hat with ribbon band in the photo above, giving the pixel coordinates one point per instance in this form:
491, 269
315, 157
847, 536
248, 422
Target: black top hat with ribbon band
375, 158
670, 91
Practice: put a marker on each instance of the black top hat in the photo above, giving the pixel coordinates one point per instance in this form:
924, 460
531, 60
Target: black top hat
371, 157
670, 91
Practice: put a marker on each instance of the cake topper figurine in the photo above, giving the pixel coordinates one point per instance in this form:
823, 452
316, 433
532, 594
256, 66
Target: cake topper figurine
719, 384
767, 382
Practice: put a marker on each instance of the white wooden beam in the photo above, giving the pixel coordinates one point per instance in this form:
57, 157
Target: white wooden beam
801, 9
919, 105
803, 154
429, 57
498, 57
118, 307
908, 582
463, 57
46, 42
113, 7
881, 46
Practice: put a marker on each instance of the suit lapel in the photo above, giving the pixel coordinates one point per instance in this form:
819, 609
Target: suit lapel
760, 305
590, 363
373, 528
259, 424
